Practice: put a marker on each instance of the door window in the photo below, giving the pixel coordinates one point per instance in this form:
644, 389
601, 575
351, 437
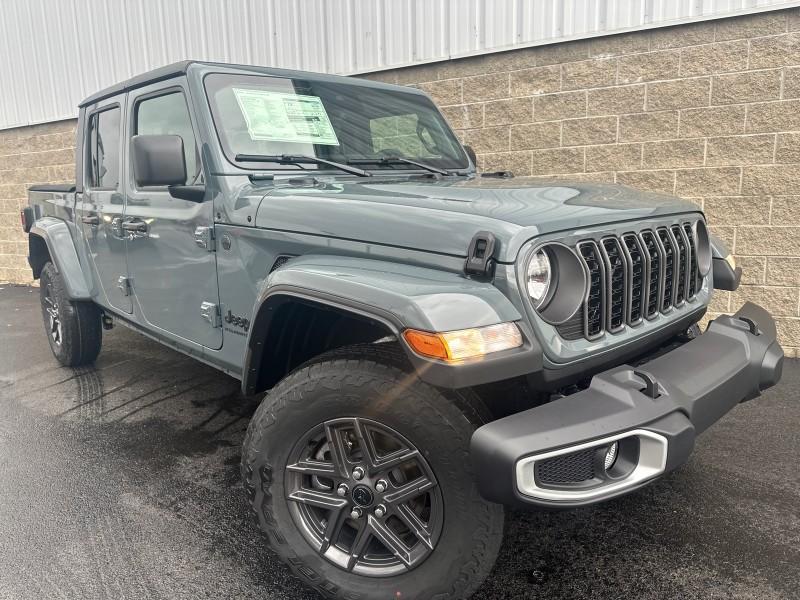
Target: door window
104, 149
169, 115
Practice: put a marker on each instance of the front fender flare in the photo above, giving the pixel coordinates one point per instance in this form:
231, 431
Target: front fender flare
399, 296
60, 245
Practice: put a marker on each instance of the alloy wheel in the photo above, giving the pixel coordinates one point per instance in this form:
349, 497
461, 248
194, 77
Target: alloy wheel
364, 497
54, 320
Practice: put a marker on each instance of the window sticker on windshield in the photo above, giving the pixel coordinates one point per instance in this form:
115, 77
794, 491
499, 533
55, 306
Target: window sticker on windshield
280, 117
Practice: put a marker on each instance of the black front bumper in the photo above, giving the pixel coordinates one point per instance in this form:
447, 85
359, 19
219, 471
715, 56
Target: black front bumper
697, 383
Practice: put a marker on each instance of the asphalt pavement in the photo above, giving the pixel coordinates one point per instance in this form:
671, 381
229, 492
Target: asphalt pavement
121, 481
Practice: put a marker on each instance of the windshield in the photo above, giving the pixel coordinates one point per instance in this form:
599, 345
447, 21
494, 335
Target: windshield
266, 116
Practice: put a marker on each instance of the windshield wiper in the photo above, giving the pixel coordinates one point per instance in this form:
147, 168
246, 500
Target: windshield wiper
387, 160
291, 159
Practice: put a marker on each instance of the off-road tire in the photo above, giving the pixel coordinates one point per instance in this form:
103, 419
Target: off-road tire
375, 382
81, 332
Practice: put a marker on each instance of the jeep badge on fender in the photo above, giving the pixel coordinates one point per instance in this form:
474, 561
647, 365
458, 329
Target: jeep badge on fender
237, 321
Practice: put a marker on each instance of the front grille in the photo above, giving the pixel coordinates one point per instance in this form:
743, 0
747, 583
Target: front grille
637, 290
616, 271
669, 268
655, 266
635, 276
594, 317
680, 244
575, 467
694, 272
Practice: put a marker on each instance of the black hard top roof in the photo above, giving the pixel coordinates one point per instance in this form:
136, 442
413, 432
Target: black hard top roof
180, 68
159, 74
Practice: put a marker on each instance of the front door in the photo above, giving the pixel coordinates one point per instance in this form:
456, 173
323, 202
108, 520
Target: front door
103, 204
174, 279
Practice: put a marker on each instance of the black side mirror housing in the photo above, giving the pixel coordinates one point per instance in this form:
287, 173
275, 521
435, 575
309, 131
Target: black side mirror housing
192, 193
472, 156
158, 160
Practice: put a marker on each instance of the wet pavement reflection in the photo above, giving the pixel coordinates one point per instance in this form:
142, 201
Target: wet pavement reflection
121, 480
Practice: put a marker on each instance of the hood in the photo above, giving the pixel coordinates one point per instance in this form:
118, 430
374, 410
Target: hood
443, 216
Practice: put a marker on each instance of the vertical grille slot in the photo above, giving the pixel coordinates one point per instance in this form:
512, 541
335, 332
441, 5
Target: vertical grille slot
637, 276
594, 319
681, 270
653, 253
694, 272
616, 268
669, 268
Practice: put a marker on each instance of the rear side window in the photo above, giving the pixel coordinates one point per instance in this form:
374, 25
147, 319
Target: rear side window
169, 115
104, 148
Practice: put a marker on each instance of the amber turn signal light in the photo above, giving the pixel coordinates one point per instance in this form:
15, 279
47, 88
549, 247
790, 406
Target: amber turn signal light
464, 343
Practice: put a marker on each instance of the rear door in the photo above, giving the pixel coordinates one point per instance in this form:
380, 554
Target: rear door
103, 202
174, 277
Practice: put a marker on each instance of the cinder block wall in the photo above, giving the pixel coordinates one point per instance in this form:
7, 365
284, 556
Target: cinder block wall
708, 111
29, 155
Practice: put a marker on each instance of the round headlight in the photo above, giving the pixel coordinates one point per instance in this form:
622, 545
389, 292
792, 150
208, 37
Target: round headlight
539, 274
555, 280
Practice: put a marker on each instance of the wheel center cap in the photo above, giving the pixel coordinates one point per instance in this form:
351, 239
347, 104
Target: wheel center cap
363, 496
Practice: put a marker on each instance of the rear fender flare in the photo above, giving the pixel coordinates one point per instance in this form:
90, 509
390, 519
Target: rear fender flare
60, 245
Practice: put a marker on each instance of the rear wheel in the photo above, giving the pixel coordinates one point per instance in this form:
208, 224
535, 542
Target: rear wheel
73, 328
360, 476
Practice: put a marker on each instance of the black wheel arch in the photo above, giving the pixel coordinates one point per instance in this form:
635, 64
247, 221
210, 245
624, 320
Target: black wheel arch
283, 334
38, 254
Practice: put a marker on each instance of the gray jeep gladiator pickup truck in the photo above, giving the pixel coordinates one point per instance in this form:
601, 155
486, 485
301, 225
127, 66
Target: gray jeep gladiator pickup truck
433, 344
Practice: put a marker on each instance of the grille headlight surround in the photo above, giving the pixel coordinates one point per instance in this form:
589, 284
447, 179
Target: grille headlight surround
702, 244
556, 282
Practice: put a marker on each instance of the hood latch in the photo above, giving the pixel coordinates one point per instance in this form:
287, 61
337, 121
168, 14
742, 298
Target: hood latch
480, 259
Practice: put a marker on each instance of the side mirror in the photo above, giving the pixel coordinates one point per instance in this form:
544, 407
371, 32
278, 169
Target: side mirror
472, 156
158, 160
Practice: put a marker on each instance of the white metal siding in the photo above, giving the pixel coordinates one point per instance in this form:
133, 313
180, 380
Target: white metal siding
56, 52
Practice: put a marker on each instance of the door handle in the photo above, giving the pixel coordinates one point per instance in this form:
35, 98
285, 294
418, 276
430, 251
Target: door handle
93, 220
136, 226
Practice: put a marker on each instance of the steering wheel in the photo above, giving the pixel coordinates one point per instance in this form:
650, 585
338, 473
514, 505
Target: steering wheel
426, 139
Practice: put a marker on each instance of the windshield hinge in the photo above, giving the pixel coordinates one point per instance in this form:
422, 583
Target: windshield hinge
479, 255
204, 238
124, 285
211, 313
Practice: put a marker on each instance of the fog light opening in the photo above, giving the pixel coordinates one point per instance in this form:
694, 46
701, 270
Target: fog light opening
611, 456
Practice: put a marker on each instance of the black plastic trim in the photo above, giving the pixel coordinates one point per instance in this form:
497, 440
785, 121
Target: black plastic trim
698, 383
63, 188
725, 278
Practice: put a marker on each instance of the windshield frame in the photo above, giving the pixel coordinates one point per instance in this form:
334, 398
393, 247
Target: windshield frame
464, 165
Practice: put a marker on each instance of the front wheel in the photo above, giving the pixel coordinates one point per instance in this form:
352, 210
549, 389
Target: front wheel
359, 474
73, 328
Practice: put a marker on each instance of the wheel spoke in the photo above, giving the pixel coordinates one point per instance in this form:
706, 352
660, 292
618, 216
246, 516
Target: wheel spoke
410, 490
366, 443
314, 468
326, 500
389, 462
389, 539
336, 519
415, 524
359, 545
339, 449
